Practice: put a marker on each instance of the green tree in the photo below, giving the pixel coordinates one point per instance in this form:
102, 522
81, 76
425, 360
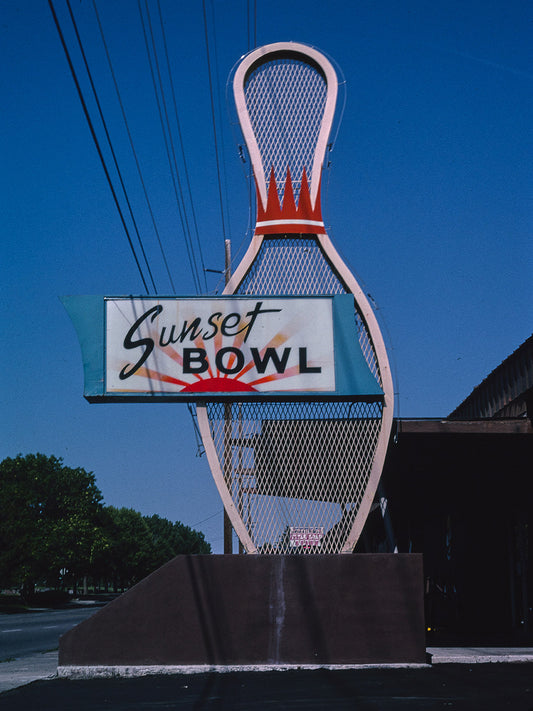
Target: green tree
138, 544
190, 541
49, 520
164, 540
54, 529
172, 539
130, 546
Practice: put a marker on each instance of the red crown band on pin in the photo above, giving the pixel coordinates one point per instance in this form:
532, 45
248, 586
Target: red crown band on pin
289, 217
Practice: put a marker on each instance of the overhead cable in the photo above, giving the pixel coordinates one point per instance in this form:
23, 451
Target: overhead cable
93, 133
110, 144
221, 121
213, 117
134, 152
179, 194
169, 145
178, 124
252, 24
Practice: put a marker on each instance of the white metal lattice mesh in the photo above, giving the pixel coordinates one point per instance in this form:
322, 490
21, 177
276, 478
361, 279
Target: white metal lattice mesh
285, 101
299, 466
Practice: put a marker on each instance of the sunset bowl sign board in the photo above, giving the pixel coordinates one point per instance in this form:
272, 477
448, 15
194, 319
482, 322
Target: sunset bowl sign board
227, 348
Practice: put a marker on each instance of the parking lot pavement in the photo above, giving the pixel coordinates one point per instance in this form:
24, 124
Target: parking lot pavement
467, 686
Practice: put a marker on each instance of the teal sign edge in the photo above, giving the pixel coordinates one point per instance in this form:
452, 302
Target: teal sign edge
87, 314
353, 378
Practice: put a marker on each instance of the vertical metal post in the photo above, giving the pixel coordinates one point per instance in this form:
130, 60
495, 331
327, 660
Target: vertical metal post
240, 476
228, 530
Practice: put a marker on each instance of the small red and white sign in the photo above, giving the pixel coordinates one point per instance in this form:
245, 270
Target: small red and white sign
305, 536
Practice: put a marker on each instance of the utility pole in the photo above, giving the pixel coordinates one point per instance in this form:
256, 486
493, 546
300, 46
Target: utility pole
228, 450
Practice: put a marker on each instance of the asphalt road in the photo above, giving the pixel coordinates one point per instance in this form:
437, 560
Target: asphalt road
32, 632
462, 687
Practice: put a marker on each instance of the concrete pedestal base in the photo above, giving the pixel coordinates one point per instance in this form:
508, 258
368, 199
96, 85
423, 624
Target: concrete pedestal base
260, 610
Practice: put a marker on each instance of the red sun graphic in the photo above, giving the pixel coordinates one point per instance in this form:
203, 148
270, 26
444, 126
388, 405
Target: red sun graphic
211, 385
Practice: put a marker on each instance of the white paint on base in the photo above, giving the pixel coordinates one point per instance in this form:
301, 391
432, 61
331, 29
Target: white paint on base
93, 672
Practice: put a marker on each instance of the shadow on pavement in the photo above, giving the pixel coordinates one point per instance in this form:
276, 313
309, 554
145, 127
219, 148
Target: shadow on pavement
487, 687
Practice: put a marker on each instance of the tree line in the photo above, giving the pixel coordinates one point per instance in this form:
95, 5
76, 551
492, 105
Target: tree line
56, 532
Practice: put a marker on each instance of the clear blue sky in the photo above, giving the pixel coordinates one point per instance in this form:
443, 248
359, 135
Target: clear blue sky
429, 202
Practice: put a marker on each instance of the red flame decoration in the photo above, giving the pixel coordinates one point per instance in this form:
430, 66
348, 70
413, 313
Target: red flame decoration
289, 217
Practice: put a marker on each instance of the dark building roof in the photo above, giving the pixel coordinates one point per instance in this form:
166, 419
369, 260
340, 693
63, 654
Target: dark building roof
506, 392
460, 491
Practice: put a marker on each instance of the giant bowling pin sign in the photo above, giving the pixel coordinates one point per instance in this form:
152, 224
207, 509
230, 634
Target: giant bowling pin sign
296, 476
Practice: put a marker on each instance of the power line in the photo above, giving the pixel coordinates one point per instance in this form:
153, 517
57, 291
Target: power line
209, 73
180, 199
110, 143
126, 124
218, 513
178, 124
169, 145
252, 23
220, 116
93, 132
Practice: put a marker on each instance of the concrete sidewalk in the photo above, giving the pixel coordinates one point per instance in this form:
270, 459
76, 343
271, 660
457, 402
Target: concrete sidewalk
27, 669
479, 655
44, 666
